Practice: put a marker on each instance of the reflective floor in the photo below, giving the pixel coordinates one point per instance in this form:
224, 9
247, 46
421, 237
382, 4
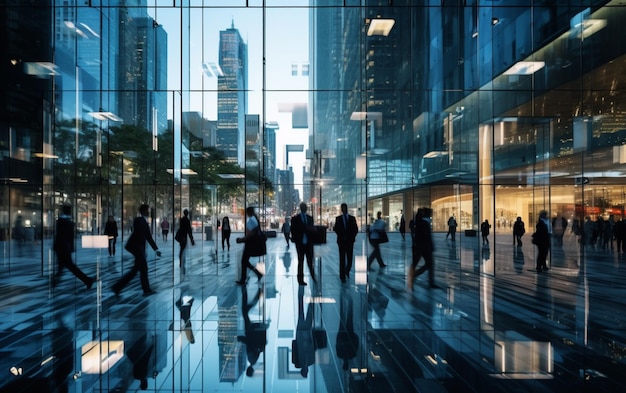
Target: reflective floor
502, 328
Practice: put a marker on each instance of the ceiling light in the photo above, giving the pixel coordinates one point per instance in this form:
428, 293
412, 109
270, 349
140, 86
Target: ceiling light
380, 27
525, 68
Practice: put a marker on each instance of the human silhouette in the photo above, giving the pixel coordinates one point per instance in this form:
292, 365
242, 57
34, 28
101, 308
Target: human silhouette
252, 230
136, 245
140, 353
255, 336
286, 230
301, 235
165, 228
377, 232
110, 229
303, 346
484, 231
518, 231
451, 228
346, 229
184, 231
347, 343
226, 232
286, 261
64, 247
402, 225
422, 248
541, 238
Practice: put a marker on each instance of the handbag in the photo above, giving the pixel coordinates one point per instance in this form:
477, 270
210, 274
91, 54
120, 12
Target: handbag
256, 246
382, 237
179, 235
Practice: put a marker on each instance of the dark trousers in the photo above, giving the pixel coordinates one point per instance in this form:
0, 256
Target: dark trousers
112, 242
375, 254
518, 238
183, 245
302, 251
346, 253
141, 266
245, 264
64, 260
428, 265
542, 255
226, 238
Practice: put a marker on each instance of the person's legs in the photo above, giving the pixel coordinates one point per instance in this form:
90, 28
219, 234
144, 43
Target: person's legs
183, 245
142, 266
118, 286
78, 273
349, 256
309, 261
300, 252
227, 241
342, 261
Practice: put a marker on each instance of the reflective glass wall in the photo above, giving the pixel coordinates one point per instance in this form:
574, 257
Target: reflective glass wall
481, 110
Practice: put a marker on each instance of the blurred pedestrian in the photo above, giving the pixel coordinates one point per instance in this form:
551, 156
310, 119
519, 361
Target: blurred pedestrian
484, 231
346, 229
64, 247
541, 238
110, 229
165, 228
136, 245
377, 236
226, 232
301, 234
252, 231
518, 231
422, 248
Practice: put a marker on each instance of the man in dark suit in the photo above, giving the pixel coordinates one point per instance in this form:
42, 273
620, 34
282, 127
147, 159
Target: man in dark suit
136, 245
346, 230
422, 248
302, 234
64, 247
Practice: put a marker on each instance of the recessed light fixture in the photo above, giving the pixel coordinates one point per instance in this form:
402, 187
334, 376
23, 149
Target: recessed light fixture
380, 27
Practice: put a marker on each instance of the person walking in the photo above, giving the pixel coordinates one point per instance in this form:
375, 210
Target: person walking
110, 229
165, 228
541, 238
64, 247
484, 231
402, 225
346, 229
136, 245
252, 230
286, 230
376, 237
451, 228
184, 231
301, 229
226, 232
422, 248
559, 224
619, 231
518, 231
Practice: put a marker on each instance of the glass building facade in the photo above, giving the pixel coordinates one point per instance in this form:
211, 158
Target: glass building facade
481, 110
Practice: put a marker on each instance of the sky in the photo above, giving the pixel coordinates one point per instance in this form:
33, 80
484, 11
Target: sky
286, 42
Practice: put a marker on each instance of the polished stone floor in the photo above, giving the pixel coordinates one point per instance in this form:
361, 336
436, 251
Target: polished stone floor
494, 325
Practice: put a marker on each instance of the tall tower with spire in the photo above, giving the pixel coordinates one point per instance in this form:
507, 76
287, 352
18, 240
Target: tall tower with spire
232, 96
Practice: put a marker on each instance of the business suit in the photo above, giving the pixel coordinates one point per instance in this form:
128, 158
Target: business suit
422, 248
300, 234
136, 245
64, 247
346, 230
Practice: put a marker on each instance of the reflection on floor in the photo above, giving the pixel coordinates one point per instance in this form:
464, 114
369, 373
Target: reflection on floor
495, 325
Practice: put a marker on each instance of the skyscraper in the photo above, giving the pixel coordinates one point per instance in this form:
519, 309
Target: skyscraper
232, 96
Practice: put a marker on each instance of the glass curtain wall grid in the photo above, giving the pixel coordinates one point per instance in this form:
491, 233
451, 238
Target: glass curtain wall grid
483, 111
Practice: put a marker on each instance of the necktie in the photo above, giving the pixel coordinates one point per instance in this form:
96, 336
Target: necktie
345, 221
304, 223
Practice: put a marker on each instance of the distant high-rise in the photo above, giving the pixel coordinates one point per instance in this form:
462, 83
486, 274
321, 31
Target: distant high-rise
232, 96
143, 61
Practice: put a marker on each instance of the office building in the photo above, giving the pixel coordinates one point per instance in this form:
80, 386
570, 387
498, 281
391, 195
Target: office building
486, 112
